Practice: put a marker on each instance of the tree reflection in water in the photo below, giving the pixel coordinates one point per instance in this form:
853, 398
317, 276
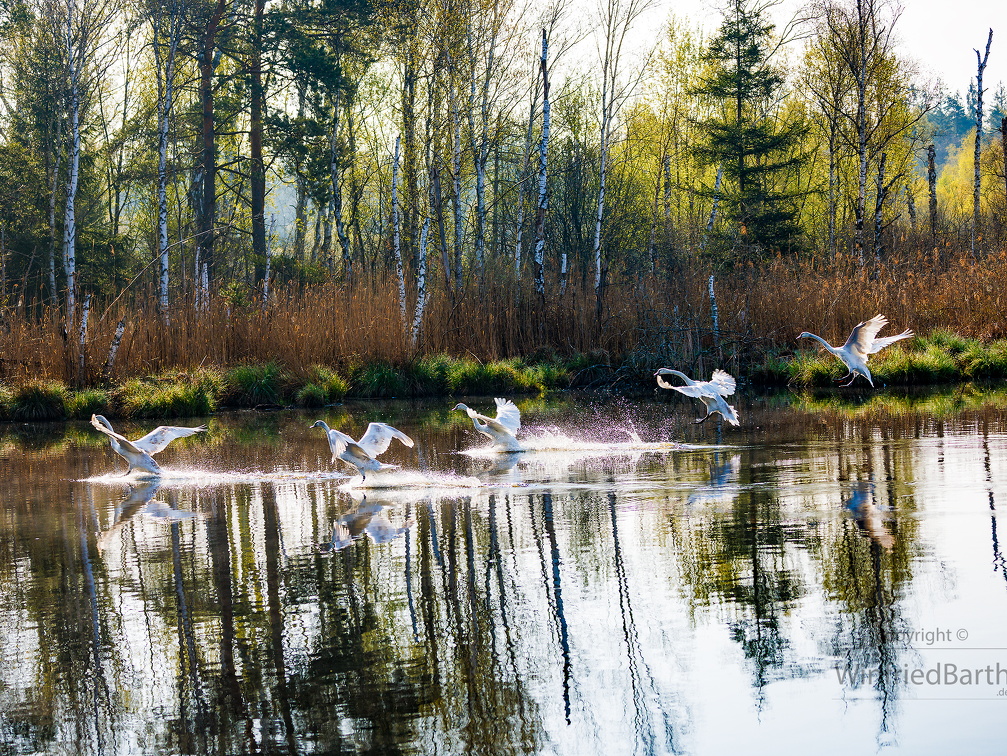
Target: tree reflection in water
558, 609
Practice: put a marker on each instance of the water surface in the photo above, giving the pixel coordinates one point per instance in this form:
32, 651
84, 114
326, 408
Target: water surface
827, 578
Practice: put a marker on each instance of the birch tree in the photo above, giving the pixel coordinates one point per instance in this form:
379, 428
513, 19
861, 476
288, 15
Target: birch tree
167, 23
80, 24
616, 19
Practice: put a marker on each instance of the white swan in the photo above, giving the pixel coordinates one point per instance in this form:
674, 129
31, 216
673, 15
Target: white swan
862, 343
501, 429
139, 453
361, 454
711, 392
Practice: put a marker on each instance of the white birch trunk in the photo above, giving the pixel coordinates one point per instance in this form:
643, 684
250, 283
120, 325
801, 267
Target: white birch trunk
713, 210
421, 285
269, 263
543, 153
163, 125
397, 236
113, 348
73, 173
82, 336
602, 178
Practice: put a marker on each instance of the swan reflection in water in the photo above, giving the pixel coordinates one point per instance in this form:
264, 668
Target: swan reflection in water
723, 485
139, 500
370, 518
866, 515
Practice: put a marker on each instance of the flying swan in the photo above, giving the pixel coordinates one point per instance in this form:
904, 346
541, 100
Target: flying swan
501, 429
862, 343
362, 454
711, 392
139, 453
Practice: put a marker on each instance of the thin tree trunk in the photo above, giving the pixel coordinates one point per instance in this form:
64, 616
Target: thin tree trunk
73, 175
932, 186
543, 162
166, 85
257, 179
206, 174
879, 206
421, 285
833, 208
300, 185
456, 179
335, 176
113, 348
54, 176
1003, 144
397, 236
713, 209
976, 219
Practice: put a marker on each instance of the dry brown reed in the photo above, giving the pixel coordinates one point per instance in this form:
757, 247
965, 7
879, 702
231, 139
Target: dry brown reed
762, 309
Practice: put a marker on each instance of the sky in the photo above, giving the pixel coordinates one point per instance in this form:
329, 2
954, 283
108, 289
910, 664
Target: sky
940, 35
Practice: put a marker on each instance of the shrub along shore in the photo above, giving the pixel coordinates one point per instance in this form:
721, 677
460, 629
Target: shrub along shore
940, 357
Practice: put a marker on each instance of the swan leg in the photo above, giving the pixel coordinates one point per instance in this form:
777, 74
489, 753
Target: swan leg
838, 380
850, 382
699, 420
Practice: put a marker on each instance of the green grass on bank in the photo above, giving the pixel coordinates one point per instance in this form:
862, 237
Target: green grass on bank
254, 385
941, 357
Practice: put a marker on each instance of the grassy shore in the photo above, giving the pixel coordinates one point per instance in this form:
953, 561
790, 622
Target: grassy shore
204, 391
939, 358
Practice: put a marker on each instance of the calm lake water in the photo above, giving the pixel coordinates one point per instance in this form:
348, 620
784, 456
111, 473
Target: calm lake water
828, 578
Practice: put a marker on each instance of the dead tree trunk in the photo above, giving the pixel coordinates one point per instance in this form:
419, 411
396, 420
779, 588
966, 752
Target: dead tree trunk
976, 230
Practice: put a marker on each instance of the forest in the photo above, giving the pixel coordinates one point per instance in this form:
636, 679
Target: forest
187, 183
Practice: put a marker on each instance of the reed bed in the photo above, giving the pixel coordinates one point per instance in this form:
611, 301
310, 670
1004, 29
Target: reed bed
335, 336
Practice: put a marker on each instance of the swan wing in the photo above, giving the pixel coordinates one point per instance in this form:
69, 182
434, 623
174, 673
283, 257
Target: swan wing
862, 336
163, 435
345, 448
693, 391
124, 442
508, 415
378, 438
880, 344
723, 382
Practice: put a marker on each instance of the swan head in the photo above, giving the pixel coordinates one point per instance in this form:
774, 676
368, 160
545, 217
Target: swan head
460, 406
668, 371
101, 419
804, 335
320, 424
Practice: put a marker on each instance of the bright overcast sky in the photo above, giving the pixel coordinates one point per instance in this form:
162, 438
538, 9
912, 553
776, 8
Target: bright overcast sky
939, 34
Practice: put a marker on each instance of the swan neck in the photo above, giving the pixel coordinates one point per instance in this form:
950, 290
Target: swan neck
822, 341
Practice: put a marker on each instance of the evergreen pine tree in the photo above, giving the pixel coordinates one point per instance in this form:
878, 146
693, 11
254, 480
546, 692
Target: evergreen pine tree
756, 152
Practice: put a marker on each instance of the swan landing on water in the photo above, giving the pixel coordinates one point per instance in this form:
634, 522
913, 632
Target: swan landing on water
502, 429
139, 453
362, 454
711, 392
862, 343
